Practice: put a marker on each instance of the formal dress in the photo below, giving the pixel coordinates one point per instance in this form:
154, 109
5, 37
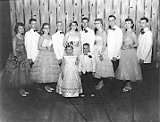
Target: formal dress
57, 40
144, 49
75, 40
129, 68
46, 68
88, 36
104, 69
16, 71
70, 84
31, 44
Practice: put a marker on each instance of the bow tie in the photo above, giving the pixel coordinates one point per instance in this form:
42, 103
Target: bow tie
35, 30
112, 28
85, 30
61, 32
142, 31
88, 55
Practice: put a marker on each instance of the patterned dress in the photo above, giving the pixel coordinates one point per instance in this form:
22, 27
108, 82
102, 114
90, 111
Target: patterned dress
70, 84
104, 69
45, 68
129, 68
16, 71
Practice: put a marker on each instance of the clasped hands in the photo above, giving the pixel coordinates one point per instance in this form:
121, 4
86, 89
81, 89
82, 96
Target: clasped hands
49, 48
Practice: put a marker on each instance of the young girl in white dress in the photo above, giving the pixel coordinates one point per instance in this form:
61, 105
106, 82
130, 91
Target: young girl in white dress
69, 83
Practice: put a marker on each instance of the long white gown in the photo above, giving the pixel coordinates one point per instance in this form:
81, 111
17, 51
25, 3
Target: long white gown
70, 84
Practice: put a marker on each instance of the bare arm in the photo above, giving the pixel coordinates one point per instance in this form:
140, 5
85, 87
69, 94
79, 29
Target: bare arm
135, 40
104, 41
14, 46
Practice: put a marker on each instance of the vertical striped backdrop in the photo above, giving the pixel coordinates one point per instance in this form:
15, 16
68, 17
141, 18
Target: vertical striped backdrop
67, 10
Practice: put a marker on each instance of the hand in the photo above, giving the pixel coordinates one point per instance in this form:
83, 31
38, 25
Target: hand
30, 61
101, 58
59, 61
141, 61
114, 59
76, 44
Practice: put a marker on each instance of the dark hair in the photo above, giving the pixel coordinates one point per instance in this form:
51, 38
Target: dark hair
32, 20
86, 44
111, 16
130, 20
101, 21
145, 18
44, 24
70, 24
17, 25
85, 18
58, 22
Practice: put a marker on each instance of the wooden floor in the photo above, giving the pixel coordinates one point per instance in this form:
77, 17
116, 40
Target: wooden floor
109, 105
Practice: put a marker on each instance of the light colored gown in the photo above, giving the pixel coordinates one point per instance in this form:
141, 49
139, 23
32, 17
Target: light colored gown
46, 68
70, 84
129, 68
104, 69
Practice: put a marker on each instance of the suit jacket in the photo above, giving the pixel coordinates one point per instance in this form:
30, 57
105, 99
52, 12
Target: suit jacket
31, 44
57, 40
87, 63
145, 42
114, 42
88, 37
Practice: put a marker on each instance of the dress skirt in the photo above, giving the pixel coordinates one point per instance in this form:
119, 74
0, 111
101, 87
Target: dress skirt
70, 84
16, 71
129, 68
45, 68
104, 69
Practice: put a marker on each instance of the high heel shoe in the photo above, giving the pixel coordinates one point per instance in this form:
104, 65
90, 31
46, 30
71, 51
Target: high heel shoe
100, 85
127, 88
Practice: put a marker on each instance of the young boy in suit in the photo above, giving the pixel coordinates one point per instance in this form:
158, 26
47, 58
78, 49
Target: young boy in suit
86, 69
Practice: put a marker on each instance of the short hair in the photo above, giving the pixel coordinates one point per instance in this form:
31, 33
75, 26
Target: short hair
58, 22
99, 19
85, 18
130, 20
145, 18
17, 25
32, 20
112, 16
86, 44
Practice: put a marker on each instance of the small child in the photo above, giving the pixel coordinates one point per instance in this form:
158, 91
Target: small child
86, 69
69, 83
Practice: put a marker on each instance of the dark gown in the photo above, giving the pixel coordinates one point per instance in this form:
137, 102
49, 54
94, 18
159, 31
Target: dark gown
16, 71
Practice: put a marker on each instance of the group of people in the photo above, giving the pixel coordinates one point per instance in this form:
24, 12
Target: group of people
77, 62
